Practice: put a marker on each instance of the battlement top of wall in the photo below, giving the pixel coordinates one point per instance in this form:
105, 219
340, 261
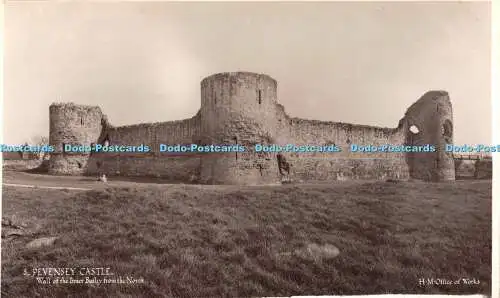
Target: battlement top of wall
73, 106
239, 74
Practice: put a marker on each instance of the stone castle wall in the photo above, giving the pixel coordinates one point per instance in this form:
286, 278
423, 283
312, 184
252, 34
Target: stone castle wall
238, 108
432, 115
345, 164
154, 163
242, 108
75, 125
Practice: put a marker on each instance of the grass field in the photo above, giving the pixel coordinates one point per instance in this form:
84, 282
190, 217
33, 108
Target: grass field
202, 241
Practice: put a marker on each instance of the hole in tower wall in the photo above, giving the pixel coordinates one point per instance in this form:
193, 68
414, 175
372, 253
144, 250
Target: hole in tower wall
105, 142
81, 121
259, 96
414, 129
79, 164
447, 129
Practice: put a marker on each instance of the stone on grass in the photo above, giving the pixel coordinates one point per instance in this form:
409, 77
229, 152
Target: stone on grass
315, 251
40, 242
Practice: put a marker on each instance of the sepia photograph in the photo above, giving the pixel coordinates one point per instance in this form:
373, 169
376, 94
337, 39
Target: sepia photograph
246, 149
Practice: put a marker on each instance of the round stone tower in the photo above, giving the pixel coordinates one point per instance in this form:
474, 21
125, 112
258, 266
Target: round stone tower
430, 121
75, 125
238, 108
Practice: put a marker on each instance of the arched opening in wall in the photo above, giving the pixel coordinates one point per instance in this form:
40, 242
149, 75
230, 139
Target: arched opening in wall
448, 131
348, 141
81, 121
105, 142
79, 164
414, 129
259, 94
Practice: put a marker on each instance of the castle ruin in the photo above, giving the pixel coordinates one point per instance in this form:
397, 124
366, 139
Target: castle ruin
242, 108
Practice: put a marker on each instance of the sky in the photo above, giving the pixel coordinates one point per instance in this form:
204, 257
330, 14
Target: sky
361, 63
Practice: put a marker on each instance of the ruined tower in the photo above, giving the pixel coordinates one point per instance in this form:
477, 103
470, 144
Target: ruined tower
430, 121
238, 108
76, 125
241, 109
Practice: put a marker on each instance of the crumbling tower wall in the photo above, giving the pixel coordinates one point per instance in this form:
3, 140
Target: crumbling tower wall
241, 108
77, 125
238, 108
432, 116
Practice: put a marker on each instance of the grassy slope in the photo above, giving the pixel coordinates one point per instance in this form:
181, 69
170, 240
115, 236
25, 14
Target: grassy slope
237, 242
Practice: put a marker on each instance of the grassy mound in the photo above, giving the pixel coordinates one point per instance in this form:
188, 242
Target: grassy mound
202, 241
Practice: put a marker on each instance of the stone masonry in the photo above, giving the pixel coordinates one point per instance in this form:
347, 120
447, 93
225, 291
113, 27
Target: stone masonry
242, 108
